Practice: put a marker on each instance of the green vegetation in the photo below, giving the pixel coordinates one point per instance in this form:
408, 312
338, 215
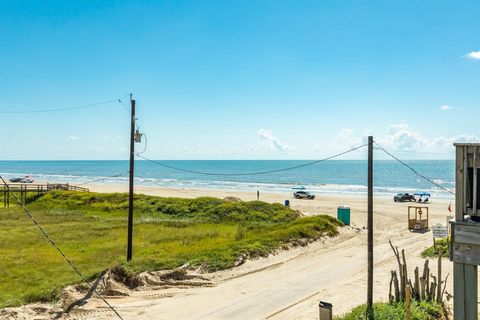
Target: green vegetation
441, 246
419, 310
91, 229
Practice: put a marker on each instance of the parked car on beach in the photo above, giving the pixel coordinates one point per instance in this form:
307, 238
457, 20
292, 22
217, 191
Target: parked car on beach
403, 197
303, 195
26, 179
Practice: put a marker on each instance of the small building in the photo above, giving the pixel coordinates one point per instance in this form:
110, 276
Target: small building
465, 231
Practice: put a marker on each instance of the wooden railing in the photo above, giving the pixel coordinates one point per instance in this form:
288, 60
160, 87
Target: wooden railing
24, 188
35, 187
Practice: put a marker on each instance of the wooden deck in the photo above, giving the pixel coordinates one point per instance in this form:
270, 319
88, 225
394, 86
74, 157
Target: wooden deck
23, 188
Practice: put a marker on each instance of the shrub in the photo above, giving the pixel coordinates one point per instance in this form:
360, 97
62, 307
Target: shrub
204, 208
441, 246
419, 310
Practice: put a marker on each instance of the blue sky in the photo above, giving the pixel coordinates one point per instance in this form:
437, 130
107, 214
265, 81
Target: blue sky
239, 79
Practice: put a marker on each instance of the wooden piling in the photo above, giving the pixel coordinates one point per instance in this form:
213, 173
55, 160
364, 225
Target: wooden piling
407, 302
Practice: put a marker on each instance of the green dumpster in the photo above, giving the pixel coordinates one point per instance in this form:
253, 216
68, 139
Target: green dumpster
343, 214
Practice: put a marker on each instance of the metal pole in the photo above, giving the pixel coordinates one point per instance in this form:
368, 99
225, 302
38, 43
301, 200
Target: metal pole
370, 230
130, 187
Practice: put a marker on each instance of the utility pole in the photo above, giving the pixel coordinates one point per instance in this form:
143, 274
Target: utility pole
130, 186
370, 230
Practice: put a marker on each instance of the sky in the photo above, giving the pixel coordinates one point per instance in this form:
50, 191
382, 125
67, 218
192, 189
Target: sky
238, 79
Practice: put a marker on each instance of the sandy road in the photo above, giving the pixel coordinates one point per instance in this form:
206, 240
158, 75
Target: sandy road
290, 284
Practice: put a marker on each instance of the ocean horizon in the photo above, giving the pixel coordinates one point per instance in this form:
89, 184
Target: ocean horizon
328, 177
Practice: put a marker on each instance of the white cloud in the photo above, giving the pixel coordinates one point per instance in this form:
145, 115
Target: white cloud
189, 150
401, 137
74, 138
445, 143
98, 149
268, 140
349, 137
108, 138
446, 107
475, 55
250, 148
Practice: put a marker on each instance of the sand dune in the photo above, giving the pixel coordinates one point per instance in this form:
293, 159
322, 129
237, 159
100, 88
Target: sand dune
290, 284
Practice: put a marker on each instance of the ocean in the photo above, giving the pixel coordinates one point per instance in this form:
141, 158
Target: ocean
329, 177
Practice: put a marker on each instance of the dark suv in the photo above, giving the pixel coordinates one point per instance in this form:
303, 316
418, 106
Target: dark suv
303, 195
403, 197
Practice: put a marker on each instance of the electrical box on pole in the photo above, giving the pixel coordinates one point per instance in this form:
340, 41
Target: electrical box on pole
465, 231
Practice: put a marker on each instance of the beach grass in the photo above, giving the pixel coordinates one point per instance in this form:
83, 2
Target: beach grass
441, 246
419, 310
91, 229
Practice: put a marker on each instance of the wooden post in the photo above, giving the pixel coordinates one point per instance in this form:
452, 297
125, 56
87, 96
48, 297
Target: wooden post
395, 283
370, 314
407, 302
130, 188
474, 194
391, 298
465, 290
460, 183
465, 277
416, 287
439, 273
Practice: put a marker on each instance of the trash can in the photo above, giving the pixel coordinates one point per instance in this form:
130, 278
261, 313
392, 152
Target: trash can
325, 310
287, 203
343, 214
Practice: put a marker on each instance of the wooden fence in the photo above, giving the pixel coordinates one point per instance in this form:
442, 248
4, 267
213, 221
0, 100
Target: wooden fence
23, 188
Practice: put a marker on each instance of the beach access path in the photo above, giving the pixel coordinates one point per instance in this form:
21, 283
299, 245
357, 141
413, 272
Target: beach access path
290, 284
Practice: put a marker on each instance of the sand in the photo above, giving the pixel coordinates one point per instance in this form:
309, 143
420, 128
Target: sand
290, 284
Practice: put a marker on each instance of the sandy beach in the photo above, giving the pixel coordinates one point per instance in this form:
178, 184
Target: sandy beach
290, 284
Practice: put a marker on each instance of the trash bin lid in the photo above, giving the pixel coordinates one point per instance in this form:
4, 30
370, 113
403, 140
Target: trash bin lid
325, 305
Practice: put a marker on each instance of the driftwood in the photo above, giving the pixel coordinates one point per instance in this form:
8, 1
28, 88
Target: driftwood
390, 296
422, 289
400, 273
405, 274
439, 273
397, 288
433, 287
426, 274
425, 287
445, 286
416, 286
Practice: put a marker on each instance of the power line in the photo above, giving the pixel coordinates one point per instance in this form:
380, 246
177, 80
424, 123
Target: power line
182, 190
414, 170
103, 179
61, 252
249, 173
123, 104
59, 109
88, 165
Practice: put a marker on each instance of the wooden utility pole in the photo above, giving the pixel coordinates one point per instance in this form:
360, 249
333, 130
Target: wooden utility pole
130, 186
370, 230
